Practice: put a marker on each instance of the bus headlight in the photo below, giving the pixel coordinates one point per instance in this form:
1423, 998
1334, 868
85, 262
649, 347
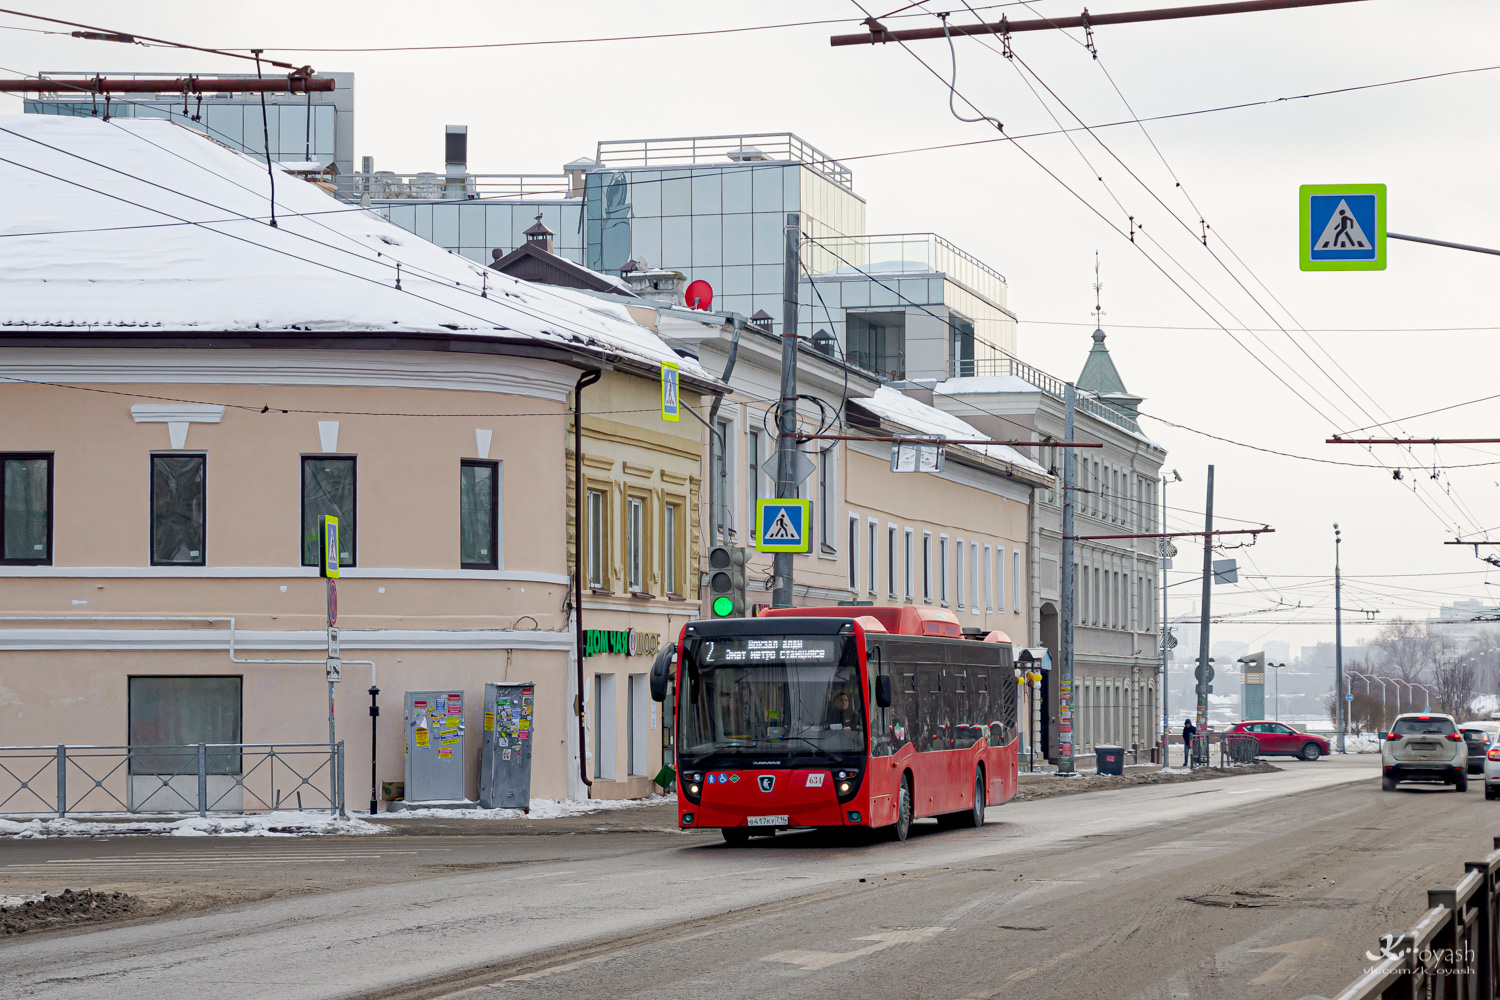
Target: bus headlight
843, 787
847, 786
692, 785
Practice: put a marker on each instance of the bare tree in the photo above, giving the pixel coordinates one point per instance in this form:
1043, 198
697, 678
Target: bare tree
1407, 648
1455, 679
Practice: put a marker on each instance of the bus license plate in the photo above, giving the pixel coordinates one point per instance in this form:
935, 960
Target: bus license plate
765, 821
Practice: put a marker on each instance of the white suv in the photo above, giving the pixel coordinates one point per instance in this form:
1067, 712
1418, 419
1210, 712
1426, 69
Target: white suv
1424, 748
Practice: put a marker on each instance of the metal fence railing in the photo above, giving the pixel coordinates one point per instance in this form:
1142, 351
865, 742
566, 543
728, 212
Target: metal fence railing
1453, 950
197, 778
1238, 748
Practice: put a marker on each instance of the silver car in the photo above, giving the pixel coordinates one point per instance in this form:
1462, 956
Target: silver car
1424, 748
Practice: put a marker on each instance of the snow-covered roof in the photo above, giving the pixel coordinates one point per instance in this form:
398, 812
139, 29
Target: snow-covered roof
962, 385
897, 407
139, 224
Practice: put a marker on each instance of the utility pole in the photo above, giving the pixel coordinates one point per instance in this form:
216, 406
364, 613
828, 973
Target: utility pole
1204, 670
786, 424
1162, 624
1065, 630
1338, 637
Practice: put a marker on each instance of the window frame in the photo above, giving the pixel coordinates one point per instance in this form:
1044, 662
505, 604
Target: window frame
943, 569
353, 461
872, 580
202, 559
51, 459
637, 502
908, 579
926, 567
752, 451
605, 494
961, 550
890, 559
675, 535
853, 553
999, 579
494, 467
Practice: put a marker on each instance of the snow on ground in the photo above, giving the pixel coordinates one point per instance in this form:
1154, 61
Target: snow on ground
1361, 743
540, 809
275, 824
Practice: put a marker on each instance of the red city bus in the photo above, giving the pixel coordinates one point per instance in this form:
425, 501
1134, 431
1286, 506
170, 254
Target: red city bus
840, 717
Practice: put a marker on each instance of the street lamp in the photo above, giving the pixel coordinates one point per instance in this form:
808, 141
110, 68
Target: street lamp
1278, 667
1176, 478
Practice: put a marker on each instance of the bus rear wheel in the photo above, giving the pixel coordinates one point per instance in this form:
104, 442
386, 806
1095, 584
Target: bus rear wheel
975, 816
902, 829
735, 836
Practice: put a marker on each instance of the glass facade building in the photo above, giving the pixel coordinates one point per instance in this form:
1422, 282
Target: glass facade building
298, 129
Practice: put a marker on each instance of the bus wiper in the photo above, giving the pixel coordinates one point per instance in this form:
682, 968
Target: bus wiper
814, 744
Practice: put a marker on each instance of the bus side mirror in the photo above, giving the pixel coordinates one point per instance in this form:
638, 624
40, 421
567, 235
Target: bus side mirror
661, 671
883, 690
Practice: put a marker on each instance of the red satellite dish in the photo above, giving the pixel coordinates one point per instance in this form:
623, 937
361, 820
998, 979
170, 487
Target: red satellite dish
699, 295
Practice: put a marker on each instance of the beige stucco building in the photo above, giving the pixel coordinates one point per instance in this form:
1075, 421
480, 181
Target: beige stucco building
184, 401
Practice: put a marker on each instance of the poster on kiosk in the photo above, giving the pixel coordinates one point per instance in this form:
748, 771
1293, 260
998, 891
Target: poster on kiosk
434, 747
505, 764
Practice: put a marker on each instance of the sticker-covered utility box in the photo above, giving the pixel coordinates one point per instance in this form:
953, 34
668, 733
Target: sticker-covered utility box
434, 746
505, 765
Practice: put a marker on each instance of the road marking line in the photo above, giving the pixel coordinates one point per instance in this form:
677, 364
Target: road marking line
566, 967
812, 961
1016, 977
1295, 953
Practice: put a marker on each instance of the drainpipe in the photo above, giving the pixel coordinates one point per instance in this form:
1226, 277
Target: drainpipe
588, 378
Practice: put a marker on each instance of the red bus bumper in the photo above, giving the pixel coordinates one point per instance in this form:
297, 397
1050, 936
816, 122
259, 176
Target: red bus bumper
794, 798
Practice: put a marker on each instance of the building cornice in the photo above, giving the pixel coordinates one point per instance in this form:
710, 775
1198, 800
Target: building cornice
270, 573
194, 639
394, 369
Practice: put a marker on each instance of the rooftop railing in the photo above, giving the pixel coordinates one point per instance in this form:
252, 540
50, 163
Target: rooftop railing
905, 253
1050, 384
750, 147
383, 185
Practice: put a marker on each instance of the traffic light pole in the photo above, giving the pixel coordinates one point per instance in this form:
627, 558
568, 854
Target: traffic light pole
786, 423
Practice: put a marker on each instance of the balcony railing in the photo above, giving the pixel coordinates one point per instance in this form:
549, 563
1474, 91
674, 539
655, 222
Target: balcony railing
1050, 384
383, 185
782, 147
897, 254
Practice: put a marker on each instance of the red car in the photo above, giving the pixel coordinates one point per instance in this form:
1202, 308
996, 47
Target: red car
1277, 738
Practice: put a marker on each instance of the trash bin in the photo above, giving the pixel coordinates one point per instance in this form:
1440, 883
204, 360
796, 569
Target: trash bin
1111, 760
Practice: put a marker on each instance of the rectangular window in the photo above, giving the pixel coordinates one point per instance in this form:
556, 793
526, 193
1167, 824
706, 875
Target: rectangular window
1015, 580
479, 514
26, 509
989, 581
890, 560
872, 583
328, 487
854, 554
974, 577
720, 484
927, 567
963, 593
943, 570
635, 544
177, 509
181, 712
908, 573
752, 474
670, 520
1000, 578
598, 532
825, 505
638, 701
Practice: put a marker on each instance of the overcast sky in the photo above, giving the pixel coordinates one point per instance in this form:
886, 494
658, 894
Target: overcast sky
1434, 143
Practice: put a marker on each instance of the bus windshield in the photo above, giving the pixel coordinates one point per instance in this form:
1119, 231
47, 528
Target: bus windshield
771, 694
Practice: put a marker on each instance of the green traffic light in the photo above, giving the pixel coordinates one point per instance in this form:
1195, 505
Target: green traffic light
723, 607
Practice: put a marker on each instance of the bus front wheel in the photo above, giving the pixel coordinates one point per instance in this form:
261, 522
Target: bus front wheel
902, 829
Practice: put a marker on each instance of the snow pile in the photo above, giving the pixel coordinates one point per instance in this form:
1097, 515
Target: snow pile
891, 404
1362, 743
275, 824
144, 225
540, 809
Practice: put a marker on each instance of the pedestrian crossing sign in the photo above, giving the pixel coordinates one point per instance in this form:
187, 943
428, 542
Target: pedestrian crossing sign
671, 400
1342, 227
783, 525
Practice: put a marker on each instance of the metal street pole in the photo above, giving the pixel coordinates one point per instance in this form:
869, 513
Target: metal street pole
1338, 638
1065, 631
1203, 618
786, 424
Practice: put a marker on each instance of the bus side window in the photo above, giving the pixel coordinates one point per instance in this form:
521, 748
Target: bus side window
881, 741
932, 721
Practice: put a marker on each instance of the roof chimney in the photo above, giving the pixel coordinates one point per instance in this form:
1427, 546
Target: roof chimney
539, 234
456, 150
